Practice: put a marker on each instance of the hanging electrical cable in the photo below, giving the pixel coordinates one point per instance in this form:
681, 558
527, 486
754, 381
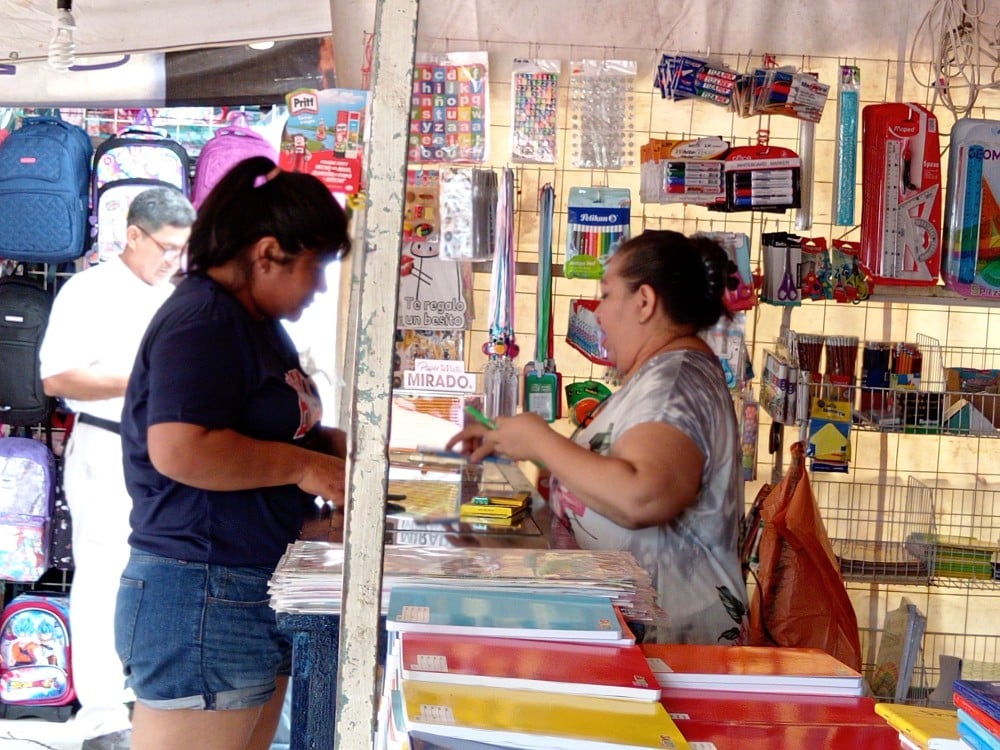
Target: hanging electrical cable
962, 46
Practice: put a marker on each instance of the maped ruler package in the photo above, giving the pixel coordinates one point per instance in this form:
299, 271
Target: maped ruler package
901, 184
971, 262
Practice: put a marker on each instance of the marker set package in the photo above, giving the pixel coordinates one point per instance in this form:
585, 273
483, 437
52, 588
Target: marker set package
761, 178
598, 223
688, 171
901, 185
971, 257
681, 77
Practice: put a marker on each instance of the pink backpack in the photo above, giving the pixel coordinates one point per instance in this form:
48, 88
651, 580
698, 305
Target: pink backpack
230, 145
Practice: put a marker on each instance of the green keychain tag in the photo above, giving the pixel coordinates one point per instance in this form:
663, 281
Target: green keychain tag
541, 393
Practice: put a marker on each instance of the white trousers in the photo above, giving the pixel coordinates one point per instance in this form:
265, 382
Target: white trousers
99, 505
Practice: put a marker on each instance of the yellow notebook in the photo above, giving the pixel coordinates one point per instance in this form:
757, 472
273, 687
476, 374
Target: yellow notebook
920, 723
504, 717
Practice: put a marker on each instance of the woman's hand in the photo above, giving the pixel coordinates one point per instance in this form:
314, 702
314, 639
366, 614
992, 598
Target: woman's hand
519, 438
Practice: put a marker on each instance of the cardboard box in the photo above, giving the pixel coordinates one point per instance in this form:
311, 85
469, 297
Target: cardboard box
981, 388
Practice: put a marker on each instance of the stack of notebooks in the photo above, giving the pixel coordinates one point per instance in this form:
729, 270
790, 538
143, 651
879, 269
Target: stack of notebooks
738, 697
752, 669
978, 704
309, 577
494, 668
922, 727
496, 510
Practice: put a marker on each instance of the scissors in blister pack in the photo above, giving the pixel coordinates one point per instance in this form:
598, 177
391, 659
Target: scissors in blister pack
788, 291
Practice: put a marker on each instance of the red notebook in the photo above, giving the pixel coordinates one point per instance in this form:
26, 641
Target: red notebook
716, 706
750, 669
989, 723
732, 736
573, 668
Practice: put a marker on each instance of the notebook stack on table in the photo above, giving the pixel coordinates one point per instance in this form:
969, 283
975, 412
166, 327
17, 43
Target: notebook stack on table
470, 668
737, 697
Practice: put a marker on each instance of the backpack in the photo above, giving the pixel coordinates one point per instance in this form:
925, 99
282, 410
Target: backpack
44, 181
35, 664
27, 497
24, 314
137, 158
229, 146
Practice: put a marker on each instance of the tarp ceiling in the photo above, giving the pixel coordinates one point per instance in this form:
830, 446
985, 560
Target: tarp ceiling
849, 28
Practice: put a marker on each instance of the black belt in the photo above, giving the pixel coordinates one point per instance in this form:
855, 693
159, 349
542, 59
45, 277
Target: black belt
104, 424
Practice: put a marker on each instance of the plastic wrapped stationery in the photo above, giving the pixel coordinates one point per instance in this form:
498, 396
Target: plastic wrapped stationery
970, 262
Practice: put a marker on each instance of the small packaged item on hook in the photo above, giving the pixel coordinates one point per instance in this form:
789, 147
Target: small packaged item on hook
815, 270
689, 171
737, 247
762, 178
583, 333
599, 221
782, 253
602, 113
851, 282
901, 194
468, 199
534, 111
682, 77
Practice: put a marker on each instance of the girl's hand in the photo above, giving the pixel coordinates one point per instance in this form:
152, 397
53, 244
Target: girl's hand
325, 476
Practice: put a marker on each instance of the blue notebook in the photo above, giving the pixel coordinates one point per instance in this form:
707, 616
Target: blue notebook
984, 694
505, 613
974, 734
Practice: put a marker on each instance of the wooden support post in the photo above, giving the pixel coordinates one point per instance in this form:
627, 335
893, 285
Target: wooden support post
368, 463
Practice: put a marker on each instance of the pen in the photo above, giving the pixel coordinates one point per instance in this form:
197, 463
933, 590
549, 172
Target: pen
488, 423
477, 415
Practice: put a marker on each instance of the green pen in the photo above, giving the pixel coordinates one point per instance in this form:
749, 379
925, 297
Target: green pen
489, 424
477, 415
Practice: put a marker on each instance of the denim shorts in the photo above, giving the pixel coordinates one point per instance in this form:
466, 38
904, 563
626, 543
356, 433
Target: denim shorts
198, 636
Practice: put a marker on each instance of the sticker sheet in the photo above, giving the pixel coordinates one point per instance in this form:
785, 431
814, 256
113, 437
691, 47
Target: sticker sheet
449, 108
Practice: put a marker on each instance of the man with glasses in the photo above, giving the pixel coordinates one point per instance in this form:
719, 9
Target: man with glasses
97, 321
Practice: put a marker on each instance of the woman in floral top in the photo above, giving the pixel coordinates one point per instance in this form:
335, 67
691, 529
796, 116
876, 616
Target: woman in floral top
657, 470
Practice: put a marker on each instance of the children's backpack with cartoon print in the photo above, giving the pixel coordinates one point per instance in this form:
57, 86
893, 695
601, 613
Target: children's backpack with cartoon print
27, 496
137, 158
35, 664
229, 146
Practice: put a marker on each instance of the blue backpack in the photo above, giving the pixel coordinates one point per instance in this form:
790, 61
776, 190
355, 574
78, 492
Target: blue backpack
44, 191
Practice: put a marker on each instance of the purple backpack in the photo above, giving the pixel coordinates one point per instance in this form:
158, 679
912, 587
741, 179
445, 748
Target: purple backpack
27, 495
230, 145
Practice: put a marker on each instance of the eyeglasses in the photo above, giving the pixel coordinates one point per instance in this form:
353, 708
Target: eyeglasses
170, 252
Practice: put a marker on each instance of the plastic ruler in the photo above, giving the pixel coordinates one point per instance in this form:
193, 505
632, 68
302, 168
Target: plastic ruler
846, 158
892, 242
969, 214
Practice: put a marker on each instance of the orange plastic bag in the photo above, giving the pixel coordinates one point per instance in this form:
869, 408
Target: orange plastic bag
800, 599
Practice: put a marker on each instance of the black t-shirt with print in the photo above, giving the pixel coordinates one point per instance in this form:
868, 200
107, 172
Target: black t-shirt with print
205, 361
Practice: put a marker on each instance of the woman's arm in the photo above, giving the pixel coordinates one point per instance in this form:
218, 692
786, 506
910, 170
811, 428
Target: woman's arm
652, 473
228, 460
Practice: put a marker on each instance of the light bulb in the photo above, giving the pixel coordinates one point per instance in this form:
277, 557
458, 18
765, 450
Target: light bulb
62, 48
